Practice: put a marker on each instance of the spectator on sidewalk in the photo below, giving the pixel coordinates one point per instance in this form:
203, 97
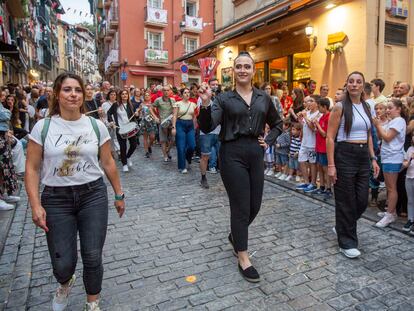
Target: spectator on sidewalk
282, 151
409, 186
378, 86
294, 148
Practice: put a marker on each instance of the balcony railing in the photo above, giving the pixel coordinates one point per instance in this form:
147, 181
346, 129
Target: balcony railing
114, 21
46, 59
43, 14
193, 24
156, 57
156, 17
113, 58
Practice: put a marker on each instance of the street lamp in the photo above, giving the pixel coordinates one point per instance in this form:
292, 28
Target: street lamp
309, 31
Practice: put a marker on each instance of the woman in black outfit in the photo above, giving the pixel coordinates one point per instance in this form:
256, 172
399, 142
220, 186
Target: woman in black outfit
120, 113
243, 114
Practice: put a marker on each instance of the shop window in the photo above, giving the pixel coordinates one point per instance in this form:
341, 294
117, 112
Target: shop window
278, 70
191, 8
259, 76
301, 67
157, 4
154, 40
395, 34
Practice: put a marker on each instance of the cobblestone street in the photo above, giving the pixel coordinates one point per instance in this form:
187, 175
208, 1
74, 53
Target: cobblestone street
173, 229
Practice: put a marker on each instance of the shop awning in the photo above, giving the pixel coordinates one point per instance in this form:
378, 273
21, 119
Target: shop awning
9, 50
142, 72
265, 20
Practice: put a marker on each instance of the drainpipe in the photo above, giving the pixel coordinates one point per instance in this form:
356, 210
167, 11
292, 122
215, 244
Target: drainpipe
381, 39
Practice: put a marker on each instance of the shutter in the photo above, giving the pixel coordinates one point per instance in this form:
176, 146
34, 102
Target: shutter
395, 34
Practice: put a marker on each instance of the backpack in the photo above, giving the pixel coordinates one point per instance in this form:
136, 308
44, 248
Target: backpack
95, 127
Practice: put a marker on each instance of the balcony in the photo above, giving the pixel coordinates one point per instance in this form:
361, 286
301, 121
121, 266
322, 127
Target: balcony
46, 59
193, 24
156, 57
107, 4
114, 22
43, 14
156, 17
112, 60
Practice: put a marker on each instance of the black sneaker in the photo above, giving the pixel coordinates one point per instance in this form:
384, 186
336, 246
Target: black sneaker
250, 274
204, 183
230, 237
147, 154
327, 195
408, 226
169, 157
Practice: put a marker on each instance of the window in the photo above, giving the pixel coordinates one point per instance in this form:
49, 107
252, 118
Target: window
154, 40
191, 9
190, 45
157, 4
395, 34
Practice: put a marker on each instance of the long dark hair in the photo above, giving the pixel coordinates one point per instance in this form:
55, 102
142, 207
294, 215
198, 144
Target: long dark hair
298, 101
404, 110
347, 107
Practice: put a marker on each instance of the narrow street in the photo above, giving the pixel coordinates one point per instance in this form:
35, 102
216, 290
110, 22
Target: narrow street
173, 230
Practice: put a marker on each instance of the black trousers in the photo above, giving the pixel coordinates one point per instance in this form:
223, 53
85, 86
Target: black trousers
123, 147
241, 163
351, 190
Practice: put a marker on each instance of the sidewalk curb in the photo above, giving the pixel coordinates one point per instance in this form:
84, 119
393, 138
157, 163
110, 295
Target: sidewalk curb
369, 214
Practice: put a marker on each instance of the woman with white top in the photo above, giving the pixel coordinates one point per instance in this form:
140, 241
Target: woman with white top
122, 113
349, 161
392, 154
72, 152
111, 98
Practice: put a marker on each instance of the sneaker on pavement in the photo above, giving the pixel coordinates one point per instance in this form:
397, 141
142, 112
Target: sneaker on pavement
212, 170
5, 206
60, 300
289, 178
92, 306
11, 198
125, 168
184, 171
282, 177
327, 195
129, 162
320, 191
266, 171
301, 186
277, 175
310, 188
269, 172
381, 214
297, 179
351, 252
386, 220
411, 231
334, 230
147, 155
408, 226
204, 183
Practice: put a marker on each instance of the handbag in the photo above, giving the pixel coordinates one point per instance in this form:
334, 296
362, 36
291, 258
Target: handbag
167, 122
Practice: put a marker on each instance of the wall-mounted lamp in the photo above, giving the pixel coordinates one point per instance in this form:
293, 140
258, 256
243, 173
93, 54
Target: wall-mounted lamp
230, 55
309, 31
182, 28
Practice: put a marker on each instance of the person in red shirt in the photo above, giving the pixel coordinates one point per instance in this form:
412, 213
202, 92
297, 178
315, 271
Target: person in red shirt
311, 87
321, 158
286, 101
156, 91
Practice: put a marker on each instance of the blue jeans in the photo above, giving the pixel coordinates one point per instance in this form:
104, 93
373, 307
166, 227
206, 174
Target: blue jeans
185, 141
70, 209
215, 148
210, 145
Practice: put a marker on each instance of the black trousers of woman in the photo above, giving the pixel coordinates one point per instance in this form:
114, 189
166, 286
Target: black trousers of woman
123, 147
241, 163
351, 190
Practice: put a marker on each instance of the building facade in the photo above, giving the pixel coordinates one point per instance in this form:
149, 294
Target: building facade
138, 40
294, 41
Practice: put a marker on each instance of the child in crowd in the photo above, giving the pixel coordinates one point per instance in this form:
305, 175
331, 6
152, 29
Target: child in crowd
320, 147
307, 153
409, 186
269, 156
295, 142
282, 151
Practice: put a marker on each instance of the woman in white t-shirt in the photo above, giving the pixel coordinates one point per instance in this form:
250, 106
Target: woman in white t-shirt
392, 154
66, 148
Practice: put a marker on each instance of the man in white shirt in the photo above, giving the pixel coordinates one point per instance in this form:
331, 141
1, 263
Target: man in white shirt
377, 86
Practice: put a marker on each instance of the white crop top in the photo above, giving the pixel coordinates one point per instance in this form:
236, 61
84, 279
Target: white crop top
360, 125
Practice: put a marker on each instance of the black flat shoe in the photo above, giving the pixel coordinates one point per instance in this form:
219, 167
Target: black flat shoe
250, 274
232, 244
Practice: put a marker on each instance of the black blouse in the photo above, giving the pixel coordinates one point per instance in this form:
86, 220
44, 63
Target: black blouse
238, 119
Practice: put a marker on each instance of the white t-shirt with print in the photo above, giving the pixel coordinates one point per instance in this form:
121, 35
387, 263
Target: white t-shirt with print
309, 136
393, 151
71, 151
408, 156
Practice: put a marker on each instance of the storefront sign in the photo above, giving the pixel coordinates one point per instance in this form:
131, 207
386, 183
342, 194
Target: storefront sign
397, 8
336, 37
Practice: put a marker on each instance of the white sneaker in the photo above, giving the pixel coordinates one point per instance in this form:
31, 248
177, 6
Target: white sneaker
270, 172
60, 300
125, 168
266, 171
184, 171
129, 162
213, 170
5, 206
297, 179
381, 214
11, 198
350, 253
92, 306
334, 230
289, 178
282, 177
277, 175
386, 220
